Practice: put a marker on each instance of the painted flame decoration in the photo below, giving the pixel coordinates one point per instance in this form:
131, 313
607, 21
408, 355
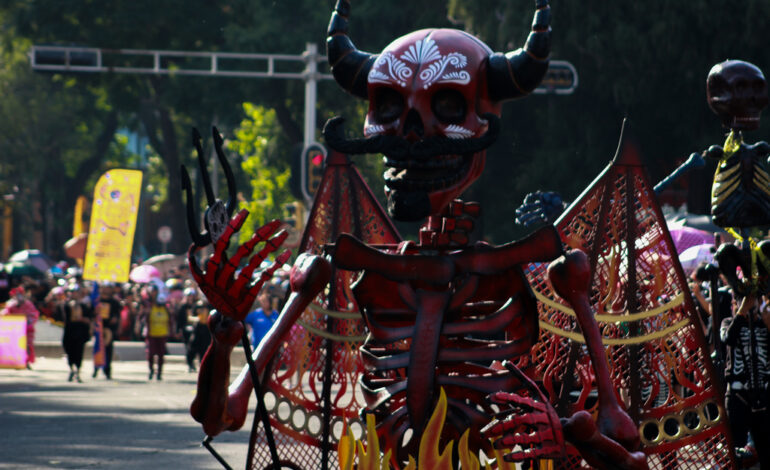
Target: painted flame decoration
430, 457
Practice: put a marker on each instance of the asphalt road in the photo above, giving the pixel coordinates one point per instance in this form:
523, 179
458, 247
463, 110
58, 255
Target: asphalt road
125, 423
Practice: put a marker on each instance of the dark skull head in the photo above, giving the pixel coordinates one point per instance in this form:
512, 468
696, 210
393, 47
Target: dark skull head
737, 93
433, 88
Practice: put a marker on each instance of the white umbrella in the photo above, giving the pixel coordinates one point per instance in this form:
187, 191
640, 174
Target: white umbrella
692, 257
35, 258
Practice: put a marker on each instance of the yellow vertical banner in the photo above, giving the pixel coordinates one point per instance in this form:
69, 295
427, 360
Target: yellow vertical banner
77, 226
112, 227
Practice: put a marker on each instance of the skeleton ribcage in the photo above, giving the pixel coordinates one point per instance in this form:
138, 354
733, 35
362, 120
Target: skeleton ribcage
740, 196
422, 340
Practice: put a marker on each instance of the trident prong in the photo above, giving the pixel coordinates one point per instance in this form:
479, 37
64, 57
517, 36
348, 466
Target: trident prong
216, 209
230, 204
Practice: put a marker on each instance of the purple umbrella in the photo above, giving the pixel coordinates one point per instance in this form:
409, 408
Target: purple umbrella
686, 237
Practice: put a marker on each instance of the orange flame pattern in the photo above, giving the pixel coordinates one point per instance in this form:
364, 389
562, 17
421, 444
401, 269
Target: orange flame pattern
429, 455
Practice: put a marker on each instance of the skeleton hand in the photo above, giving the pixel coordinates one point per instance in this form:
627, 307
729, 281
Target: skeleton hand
539, 207
229, 292
597, 449
528, 422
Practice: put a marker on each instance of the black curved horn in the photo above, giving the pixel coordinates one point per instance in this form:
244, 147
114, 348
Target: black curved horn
350, 66
519, 72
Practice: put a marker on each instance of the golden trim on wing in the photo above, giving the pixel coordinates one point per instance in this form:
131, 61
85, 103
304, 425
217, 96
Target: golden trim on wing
623, 317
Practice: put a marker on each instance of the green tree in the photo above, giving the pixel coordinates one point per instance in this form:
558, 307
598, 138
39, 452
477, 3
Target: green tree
256, 143
166, 106
56, 136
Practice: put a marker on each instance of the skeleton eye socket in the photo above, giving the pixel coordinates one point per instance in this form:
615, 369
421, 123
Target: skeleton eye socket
718, 86
449, 106
389, 105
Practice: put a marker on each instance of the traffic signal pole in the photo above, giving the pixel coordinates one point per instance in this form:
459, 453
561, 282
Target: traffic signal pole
311, 80
67, 59
561, 77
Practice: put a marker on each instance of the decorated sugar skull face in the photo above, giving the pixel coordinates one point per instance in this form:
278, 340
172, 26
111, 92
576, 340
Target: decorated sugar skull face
737, 93
432, 94
420, 86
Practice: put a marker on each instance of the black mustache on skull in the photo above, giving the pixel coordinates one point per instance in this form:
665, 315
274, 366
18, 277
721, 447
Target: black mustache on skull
398, 148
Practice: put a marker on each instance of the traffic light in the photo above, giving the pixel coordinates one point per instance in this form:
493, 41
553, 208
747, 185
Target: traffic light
313, 158
295, 215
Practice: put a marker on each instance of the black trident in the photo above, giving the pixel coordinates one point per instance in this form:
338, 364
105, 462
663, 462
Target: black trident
215, 219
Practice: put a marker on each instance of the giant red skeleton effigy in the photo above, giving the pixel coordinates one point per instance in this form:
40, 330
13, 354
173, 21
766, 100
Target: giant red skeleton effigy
441, 342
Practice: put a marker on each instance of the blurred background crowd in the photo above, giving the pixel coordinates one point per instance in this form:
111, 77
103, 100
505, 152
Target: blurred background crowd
35, 286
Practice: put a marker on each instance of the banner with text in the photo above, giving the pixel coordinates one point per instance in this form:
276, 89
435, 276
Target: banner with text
113, 223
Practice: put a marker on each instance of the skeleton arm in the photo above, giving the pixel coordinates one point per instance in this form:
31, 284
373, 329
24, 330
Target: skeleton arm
610, 442
614, 438
215, 406
715, 152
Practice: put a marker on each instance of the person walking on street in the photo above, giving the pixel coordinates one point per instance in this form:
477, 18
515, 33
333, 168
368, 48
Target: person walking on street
108, 308
747, 374
200, 336
19, 304
261, 320
184, 312
159, 326
76, 315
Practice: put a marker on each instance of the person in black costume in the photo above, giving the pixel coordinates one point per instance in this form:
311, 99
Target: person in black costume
747, 375
200, 335
183, 313
76, 313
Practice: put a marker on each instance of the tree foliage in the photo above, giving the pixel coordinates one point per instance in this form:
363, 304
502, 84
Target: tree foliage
255, 142
643, 60
56, 135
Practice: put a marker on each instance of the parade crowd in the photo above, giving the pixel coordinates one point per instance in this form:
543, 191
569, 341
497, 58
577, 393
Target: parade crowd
166, 308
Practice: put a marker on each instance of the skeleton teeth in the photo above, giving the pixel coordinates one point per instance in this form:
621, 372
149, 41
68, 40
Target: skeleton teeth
401, 176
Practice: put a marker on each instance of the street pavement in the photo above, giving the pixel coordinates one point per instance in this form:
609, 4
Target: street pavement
128, 422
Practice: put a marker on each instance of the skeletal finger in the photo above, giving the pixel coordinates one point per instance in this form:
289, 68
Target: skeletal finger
244, 276
539, 437
259, 236
233, 226
505, 398
534, 453
514, 422
271, 246
268, 273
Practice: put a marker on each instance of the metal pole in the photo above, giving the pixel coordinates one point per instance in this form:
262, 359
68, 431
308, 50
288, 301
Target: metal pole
311, 79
